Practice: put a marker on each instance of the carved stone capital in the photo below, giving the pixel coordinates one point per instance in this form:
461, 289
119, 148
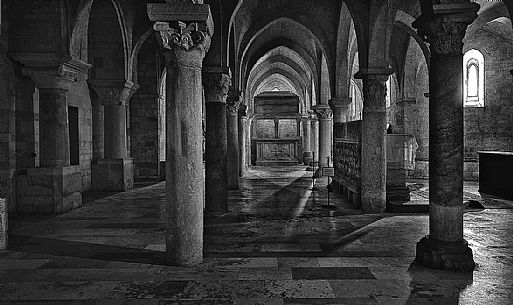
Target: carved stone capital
233, 102
216, 87
323, 112
185, 36
446, 29
374, 94
340, 107
113, 92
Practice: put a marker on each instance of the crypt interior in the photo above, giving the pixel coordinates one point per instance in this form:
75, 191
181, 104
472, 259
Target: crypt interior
256, 152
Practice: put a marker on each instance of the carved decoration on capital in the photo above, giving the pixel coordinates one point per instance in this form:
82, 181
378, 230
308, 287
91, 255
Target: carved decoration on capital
60, 77
323, 112
374, 94
216, 87
233, 102
446, 29
185, 36
113, 94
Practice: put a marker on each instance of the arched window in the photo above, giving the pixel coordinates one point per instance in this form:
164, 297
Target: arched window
473, 79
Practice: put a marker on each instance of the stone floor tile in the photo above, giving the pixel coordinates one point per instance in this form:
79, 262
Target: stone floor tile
299, 289
369, 288
264, 274
331, 273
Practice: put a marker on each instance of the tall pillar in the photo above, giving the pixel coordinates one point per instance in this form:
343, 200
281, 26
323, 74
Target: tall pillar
242, 140
374, 164
307, 147
115, 171
445, 247
232, 123
314, 122
55, 187
216, 85
98, 114
184, 47
325, 116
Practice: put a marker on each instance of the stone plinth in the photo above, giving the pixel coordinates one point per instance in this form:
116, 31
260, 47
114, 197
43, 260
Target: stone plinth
3, 224
49, 190
116, 175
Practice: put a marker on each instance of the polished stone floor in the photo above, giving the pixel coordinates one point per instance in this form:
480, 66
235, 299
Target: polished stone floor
278, 245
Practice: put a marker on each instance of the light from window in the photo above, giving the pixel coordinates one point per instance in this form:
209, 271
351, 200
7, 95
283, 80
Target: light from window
473, 79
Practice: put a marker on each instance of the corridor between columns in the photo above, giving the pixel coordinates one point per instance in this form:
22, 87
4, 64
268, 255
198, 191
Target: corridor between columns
276, 246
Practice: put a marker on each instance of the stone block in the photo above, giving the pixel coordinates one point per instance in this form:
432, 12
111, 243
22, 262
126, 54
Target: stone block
49, 191
115, 175
3, 224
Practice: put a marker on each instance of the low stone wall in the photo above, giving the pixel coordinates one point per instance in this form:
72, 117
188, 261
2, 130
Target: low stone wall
347, 152
49, 191
3, 224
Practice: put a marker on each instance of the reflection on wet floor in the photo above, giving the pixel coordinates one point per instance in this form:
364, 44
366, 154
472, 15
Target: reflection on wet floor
277, 245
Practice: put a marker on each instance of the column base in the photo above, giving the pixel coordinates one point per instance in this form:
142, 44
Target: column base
115, 175
438, 254
49, 190
3, 224
162, 170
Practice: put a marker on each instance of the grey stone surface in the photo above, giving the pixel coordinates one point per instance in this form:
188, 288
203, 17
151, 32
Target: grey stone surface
113, 175
3, 224
49, 190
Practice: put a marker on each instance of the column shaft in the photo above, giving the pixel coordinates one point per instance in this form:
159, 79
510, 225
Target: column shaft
232, 121
54, 128
446, 148
242, 142
98, 112
115, 131
184, 164
315, 139
307, 150
216, 87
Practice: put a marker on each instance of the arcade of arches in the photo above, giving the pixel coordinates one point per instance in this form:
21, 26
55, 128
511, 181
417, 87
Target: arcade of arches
400, 97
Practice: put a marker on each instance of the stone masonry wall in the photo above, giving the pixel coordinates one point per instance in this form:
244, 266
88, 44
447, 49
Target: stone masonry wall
144, 114
491, 127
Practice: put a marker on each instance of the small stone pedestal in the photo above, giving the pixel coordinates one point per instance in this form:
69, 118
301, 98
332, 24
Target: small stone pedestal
49, 190
3, 224
113, 175
456, 256
400, 157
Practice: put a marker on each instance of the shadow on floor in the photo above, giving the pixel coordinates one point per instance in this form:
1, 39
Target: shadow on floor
56, 247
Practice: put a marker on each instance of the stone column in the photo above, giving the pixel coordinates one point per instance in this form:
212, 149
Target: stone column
445, 247
55, 187
115, 171
232, 123
98, 131
325, 116
216, 85
184, 46
314, 122
373, 163
307, 146
340, 107
242, 140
